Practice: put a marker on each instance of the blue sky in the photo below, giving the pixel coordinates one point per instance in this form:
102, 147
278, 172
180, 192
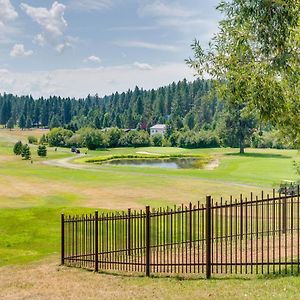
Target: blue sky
76, 47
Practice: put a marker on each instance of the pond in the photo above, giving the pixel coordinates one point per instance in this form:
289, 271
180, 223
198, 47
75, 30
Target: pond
169, 163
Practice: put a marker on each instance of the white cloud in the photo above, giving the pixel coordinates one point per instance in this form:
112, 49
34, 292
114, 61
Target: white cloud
162, 9
52, 23
7, 12
145, 45
142, 66
81, 82
7, 15
18, 50
93, 59
91, 4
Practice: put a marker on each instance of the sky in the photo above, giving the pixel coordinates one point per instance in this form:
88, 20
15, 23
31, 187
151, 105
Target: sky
72, 48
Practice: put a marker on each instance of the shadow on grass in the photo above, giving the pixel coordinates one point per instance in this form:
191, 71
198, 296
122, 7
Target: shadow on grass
258, 155
285, 272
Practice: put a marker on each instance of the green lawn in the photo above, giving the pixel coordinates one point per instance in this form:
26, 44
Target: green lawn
32, 197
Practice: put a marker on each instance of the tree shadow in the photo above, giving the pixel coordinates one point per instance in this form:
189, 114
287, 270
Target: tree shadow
258, 155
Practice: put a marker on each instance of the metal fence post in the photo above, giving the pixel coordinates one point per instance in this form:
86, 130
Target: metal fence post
129, 233
96, 242
148, 235
62, 239
208, 237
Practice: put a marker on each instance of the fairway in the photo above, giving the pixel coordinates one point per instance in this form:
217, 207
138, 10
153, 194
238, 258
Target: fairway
33, 195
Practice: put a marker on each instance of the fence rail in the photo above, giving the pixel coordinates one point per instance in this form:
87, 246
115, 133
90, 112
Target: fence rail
245, 236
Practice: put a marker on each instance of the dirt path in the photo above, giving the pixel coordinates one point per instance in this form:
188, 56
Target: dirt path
67, 163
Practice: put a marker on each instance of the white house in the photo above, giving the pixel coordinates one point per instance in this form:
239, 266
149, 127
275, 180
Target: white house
158, 129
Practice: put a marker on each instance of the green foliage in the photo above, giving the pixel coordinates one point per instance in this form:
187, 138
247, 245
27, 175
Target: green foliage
32, 140
254, 60
22, 122
25, 152
54, 123
18, 148
201, 139
28, 124
10, 123
43, 139
135, 138
93, 138
269, 139
157, 140
58, 137
114, 135
42, 151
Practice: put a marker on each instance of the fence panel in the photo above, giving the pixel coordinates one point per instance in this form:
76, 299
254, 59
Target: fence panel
237, 236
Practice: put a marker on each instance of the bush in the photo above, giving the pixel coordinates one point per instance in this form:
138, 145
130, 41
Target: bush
192, 139
43, 139
114, 135
75, 140
26, 153
157, 140
32, 140
92, 138
58, 137
42, 151
135, 138
18, 148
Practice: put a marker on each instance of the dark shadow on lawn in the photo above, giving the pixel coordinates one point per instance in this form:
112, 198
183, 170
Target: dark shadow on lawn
285, 272
259, 155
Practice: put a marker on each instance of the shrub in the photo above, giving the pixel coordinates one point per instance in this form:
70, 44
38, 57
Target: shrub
157, 140
58, 137
42, 151
18, 148
32, 140
26, 153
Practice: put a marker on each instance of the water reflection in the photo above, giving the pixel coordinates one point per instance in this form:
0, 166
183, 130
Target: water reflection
169, 163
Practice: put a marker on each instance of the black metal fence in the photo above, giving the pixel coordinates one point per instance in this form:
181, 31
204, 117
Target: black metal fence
245, 236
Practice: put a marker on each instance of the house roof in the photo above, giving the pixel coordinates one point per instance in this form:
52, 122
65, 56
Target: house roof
158, 126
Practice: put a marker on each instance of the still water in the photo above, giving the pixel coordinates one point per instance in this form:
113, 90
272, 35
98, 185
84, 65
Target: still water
169, 163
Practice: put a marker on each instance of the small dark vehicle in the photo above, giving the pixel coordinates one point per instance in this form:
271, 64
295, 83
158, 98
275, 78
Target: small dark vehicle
288, 187
73, 149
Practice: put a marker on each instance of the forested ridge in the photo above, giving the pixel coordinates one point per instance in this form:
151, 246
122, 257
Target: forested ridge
179, 103
194, 115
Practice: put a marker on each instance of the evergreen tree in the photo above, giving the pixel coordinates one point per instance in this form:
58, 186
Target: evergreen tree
26, 153
42, 151
28, 123
10, 123
54, 123
18, 148
22, 122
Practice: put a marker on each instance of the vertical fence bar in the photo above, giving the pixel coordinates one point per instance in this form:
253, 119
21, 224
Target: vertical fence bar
62, 239
129, 232
96, 242
208, 237
191, 217
284, 212
148, 234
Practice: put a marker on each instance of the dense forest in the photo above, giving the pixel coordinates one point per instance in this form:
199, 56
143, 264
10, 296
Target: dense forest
178, 103
186, 107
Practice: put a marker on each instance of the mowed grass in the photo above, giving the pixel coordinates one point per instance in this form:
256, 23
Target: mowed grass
33, 195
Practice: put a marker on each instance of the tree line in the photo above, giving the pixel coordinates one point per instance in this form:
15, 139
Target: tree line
182, 103
194, 115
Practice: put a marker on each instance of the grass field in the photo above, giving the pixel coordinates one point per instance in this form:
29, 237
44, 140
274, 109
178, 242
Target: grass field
33, 195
